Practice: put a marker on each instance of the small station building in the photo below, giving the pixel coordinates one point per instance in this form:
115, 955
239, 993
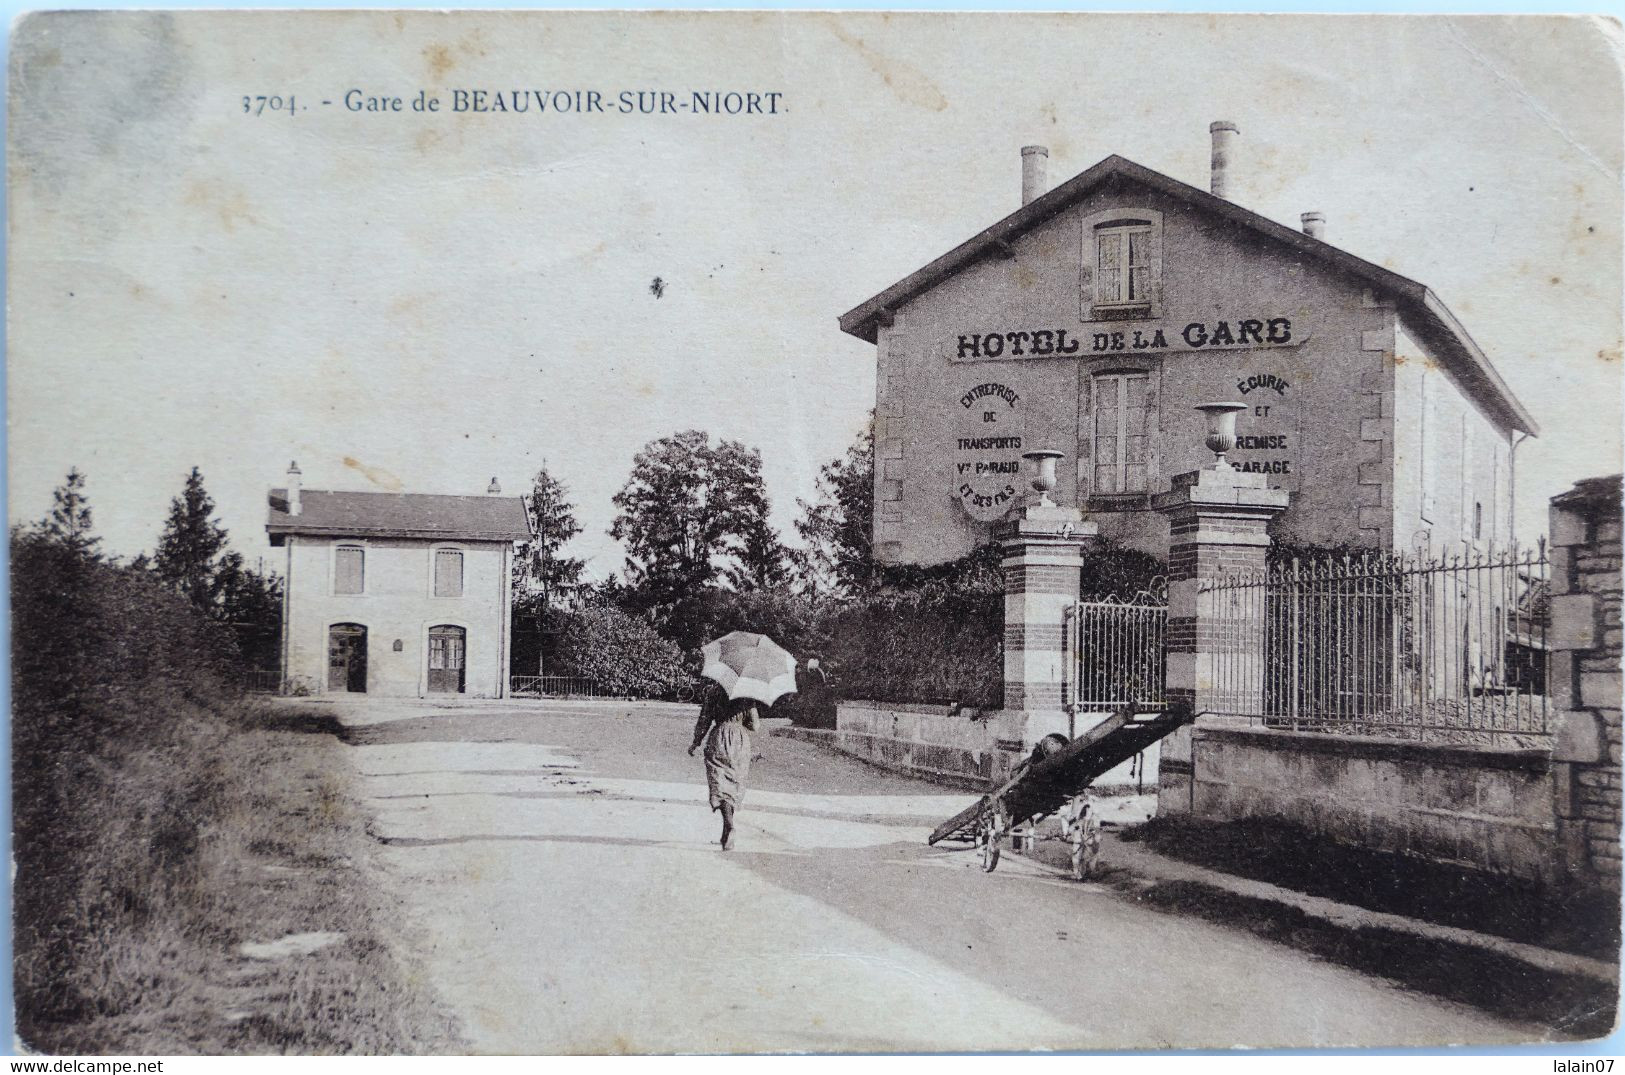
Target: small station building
1095, 317
396, 594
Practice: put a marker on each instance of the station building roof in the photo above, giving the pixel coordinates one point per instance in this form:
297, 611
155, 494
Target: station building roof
431, 516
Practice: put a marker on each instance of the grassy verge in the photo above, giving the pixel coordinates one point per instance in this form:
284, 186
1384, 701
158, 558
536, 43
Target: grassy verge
1572, 1007
230, 826
1582, 922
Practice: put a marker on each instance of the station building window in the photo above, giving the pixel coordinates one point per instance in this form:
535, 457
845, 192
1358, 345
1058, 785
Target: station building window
1121, 419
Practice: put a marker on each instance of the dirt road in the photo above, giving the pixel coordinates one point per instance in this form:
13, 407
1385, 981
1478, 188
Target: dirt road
558, 866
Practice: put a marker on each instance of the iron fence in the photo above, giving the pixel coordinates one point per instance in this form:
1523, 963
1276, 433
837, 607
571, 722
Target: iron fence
1450, 649
265, 680
555, 687
1119, 652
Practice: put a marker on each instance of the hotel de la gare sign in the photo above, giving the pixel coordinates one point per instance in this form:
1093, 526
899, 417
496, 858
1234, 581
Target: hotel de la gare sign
1248, 333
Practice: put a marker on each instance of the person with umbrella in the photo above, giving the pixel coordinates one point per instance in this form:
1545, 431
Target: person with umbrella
747, 669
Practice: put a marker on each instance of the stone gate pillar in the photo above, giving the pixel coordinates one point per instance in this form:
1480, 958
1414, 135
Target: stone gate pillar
1583, 680
1218, 523
1043, 564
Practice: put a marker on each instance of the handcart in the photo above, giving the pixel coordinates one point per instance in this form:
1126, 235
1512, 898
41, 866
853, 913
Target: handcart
1043, 785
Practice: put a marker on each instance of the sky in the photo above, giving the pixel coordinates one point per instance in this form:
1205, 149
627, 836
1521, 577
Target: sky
422, 301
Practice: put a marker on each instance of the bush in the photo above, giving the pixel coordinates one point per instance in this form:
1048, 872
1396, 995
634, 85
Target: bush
937, 648
621, 652
929, 634
1113, 570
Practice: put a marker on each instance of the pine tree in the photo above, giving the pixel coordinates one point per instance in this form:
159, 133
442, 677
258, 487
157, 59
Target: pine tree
70, 520
190, 549
539, 568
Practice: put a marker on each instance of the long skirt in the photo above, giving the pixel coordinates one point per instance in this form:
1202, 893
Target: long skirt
727, 763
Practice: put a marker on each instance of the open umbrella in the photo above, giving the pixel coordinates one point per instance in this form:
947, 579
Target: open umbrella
749, 665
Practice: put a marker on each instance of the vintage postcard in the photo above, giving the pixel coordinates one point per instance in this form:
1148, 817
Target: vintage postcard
766, 532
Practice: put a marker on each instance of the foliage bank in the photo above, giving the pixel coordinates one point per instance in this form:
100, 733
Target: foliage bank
623, 653
159, 823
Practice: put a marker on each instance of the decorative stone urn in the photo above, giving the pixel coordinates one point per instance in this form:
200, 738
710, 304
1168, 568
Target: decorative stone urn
1221, 429
1043, 460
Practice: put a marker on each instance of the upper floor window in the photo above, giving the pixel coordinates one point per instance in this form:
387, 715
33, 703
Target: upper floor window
1122, 264
349, 569
1121, 408
448, 573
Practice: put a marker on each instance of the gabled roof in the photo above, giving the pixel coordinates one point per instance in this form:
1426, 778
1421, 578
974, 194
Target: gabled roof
1421, 308
410, 515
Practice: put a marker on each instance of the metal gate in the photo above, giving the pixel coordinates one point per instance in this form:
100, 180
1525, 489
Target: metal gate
1118, 653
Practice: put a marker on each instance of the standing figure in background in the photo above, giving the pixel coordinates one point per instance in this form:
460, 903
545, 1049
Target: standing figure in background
724, 729
815, 700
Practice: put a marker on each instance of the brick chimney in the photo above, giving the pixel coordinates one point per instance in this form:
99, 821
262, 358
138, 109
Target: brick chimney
294, 479
493, 489
1224, 134
1034, 166
1314, 224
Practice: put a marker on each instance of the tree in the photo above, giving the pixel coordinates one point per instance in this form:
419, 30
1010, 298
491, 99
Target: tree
539, 568
189, 551
250, 603
669, 518
758, 555
70, 522
693, 515
837, 531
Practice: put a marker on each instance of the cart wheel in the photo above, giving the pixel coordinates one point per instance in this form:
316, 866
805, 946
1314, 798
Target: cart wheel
1085, 845
987, 842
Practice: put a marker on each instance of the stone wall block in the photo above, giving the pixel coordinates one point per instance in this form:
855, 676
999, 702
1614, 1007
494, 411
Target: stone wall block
1567, 528
1574, 621
1600, 689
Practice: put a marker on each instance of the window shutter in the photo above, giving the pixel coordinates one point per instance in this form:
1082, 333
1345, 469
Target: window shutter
1109, 268
1156, 267
448, 573
349, 570
1086, 275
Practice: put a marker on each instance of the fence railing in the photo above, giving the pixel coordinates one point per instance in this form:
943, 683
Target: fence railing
1450, 649
1119, 652
555, 687
265, 680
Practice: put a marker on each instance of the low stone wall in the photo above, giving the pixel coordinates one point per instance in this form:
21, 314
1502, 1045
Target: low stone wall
965, 750
1481, 807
